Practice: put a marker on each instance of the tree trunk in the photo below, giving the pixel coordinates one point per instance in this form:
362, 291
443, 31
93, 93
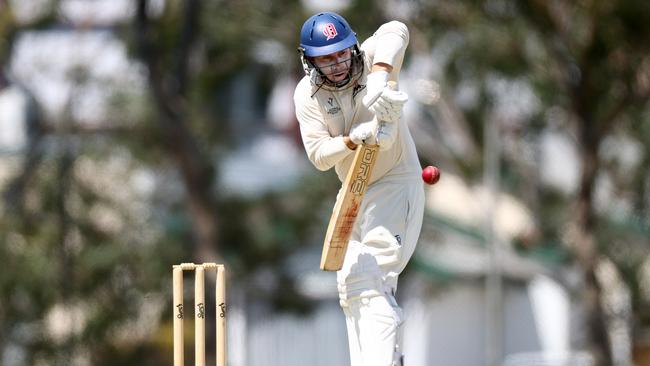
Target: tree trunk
585, 248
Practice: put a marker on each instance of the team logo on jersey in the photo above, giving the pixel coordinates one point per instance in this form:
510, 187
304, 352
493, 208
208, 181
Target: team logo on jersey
330, 31
332, 106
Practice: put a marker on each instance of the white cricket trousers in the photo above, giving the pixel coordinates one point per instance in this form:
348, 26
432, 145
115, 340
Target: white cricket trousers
382, 243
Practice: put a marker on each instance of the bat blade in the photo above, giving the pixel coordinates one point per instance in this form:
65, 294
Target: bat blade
347, 207
348, 204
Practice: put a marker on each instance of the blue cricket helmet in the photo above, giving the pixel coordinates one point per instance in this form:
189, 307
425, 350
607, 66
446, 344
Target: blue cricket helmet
325, 33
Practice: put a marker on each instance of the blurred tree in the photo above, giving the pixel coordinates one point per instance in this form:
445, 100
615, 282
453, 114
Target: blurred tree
589, 60
168, 72
194, 53
99, 217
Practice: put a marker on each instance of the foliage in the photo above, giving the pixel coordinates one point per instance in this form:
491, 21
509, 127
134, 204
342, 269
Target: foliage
103, 212
587, 64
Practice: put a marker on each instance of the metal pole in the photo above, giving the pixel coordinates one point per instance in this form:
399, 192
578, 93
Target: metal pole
493, 280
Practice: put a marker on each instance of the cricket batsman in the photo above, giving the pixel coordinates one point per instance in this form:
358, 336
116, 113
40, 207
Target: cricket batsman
343, 101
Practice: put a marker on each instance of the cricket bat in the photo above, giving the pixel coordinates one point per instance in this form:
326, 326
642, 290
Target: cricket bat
348, 204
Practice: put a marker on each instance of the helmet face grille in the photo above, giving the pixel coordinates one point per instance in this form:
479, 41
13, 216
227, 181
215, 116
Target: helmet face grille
321, 80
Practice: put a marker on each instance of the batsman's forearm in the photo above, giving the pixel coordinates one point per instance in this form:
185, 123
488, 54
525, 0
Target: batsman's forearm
381, 66
325, 153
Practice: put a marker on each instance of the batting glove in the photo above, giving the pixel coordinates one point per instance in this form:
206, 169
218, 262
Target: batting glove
388, 107
363, 133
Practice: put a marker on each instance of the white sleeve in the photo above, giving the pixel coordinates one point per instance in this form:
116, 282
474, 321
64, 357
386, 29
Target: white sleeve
323, 150
388, 45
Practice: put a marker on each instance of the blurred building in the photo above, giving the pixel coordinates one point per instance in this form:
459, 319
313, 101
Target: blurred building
14, 115
18, 127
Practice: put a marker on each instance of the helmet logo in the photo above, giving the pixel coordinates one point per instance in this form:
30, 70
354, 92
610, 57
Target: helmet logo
330, 31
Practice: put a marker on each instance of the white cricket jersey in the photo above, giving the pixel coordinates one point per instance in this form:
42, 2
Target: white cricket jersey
327, 116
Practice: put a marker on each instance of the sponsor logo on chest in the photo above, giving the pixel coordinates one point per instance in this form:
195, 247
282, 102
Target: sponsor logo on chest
332, 106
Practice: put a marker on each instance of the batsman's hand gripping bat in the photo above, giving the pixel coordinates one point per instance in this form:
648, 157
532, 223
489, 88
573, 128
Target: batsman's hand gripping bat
347, 205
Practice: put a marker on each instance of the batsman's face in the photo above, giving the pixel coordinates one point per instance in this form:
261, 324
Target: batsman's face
335, 65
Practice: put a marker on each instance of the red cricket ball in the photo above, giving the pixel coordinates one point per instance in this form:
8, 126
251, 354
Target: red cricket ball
430, 174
